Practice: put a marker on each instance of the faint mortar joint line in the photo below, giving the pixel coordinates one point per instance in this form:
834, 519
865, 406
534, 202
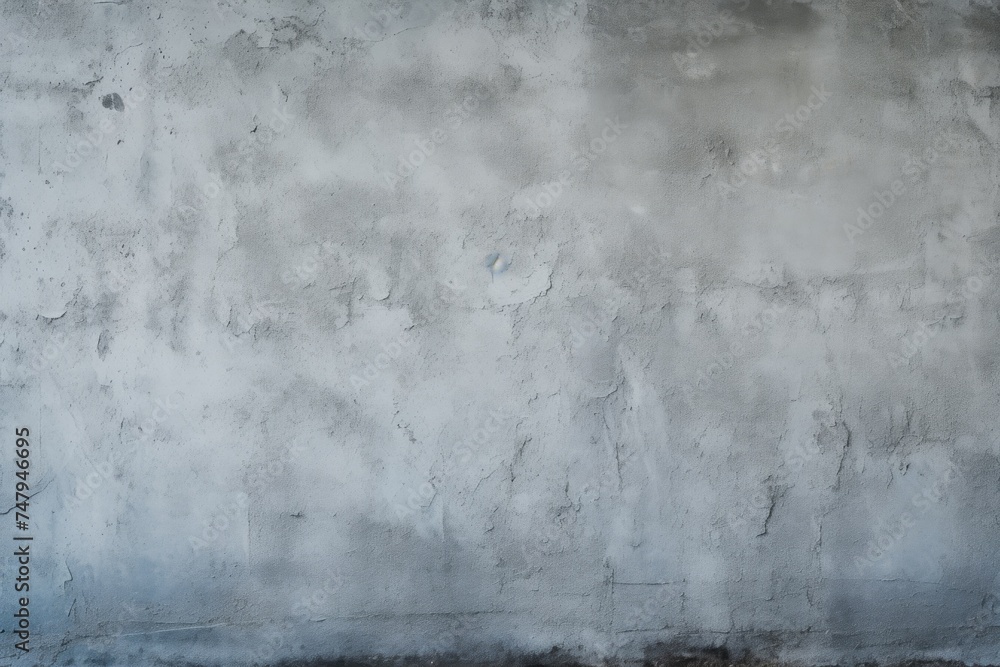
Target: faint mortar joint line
185, 628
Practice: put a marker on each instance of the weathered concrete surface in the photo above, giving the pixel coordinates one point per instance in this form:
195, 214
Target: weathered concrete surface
483, 328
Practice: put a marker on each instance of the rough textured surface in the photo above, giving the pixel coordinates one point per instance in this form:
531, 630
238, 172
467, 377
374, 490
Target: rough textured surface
482, 328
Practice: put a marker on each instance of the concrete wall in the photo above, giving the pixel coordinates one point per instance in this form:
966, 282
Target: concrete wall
489, 327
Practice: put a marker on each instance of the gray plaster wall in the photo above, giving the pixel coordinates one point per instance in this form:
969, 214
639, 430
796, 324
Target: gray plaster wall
482, 328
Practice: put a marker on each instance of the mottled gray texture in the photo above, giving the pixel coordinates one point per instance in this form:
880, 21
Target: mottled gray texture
487, 327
